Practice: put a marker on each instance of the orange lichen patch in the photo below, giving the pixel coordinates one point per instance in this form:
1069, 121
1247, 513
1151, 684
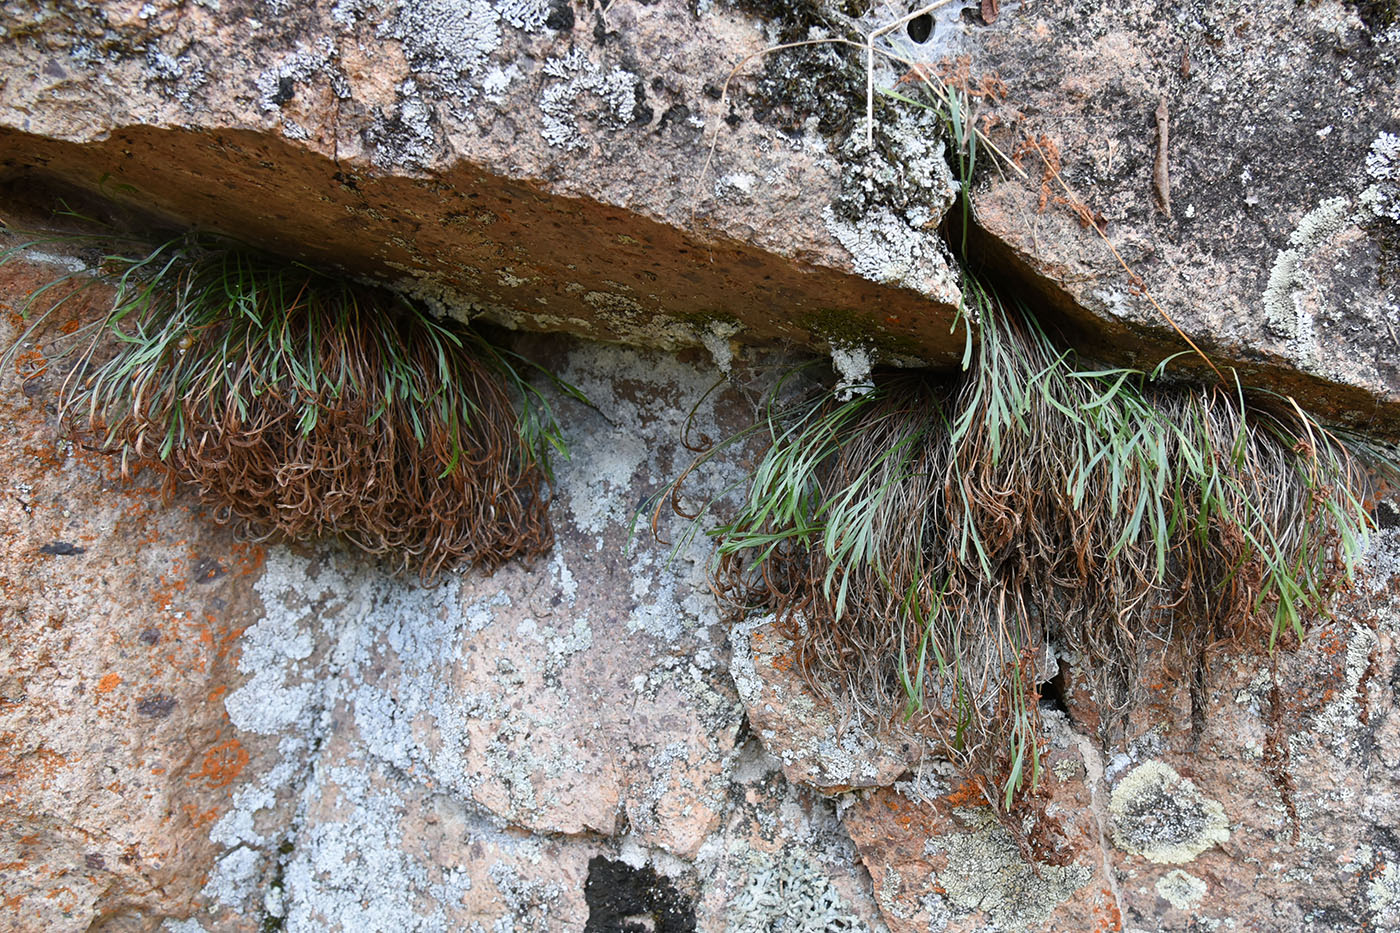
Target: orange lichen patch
1109, 917
250, 557
969, 793
198, 817
30, 364
222, 764
108, 683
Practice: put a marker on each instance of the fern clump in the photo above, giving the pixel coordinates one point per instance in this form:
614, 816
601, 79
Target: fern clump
930, 541
305, 405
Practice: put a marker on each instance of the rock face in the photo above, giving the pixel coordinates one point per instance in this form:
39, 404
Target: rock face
591, 169
1246, 164
198, 734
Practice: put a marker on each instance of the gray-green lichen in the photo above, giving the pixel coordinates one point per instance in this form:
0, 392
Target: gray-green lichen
893, 197
1158, 814
575, 74
1383, 898
785, 891
986, 872
1180, 889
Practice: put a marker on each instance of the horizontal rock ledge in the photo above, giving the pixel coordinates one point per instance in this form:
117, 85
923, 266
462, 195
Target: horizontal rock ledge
473, 242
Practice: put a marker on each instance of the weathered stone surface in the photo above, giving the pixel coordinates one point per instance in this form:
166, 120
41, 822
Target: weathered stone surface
545, 164
1271, 823
459, 757
1279, 250
204, 737
551, 165
119, 620
819, 744
941, 860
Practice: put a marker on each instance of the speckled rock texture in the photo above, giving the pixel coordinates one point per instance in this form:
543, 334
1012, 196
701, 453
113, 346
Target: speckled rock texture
545, 162
1243, 160
199, 735
206, 736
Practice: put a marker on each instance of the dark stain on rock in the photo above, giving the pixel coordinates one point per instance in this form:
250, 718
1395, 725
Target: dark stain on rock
155, 706
94, 861
207, 570
623, 899
286, 90
561, 16
61, 549
149, 637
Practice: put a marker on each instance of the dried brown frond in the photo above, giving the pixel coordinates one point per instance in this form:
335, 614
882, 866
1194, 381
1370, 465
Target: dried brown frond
304, 406
938, 543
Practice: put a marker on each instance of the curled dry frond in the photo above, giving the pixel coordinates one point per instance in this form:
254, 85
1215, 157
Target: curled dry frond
307, 405
930, 540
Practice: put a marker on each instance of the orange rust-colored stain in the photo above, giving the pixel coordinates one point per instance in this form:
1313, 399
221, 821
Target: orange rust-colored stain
108, 683
199, 817
217, 692
12, 902
222, 764
969, 792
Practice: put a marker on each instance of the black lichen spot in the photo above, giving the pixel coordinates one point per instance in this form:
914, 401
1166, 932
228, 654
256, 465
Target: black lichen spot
822, 81
623, 899
286, 90
61, 549
642, 112
677, 114
150, 636
601, 33
561, 16
155, 706
94, 861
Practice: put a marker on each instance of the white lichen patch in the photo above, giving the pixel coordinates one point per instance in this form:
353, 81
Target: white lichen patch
1180, 889
895, 249
852, 364
1340, 719
986, 872
1158, 814
280, 83
785, 891
1286, 305
577, 74
1381, 198
891, 201
717, 338
355, 871
447, 42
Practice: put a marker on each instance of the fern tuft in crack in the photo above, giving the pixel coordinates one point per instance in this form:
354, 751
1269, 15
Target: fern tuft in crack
298, 403
935, 545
